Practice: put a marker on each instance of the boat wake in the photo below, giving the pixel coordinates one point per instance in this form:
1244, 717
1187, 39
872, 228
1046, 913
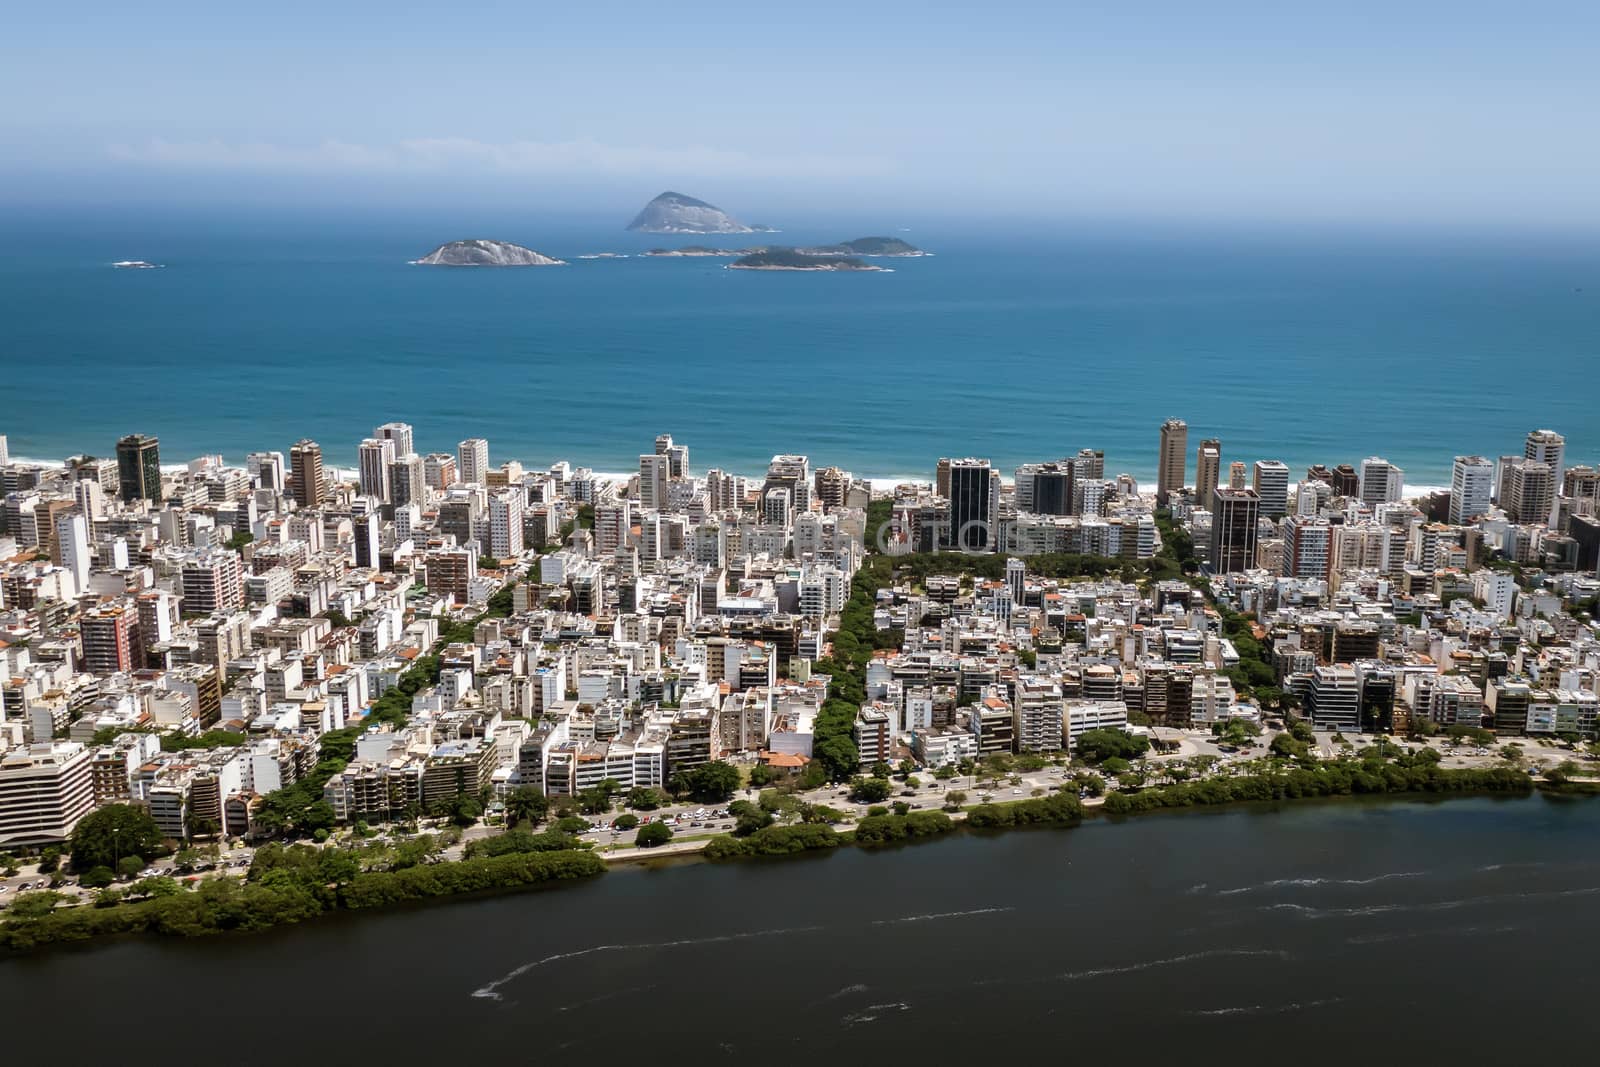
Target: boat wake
1264, 1009
491, 991
1170, 961
934, 916
1311, 883
1309, 912
872, 1012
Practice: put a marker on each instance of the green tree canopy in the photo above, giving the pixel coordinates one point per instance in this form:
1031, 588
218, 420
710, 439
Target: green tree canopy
1096, 746
105, 836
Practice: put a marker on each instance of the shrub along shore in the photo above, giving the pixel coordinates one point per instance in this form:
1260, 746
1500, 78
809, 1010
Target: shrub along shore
290, 884
306, 885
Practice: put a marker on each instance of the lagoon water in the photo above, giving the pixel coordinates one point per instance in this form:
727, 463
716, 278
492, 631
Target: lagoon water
1327, 932
1016, 345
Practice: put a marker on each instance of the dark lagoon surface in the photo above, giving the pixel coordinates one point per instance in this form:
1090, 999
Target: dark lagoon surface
1318, 933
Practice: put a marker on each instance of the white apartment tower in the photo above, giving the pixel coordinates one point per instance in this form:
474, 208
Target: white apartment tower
1272, 486
1471, 488
654, 472
373, 458
472, 460
399, 433
1380, 482
505, 524
72, 541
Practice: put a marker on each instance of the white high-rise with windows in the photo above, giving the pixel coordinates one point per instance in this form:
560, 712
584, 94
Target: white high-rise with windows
1549, 448
1272, 486
654, 472
373, 458
472, 460
505, 524
399, 433
1380, 482
612, 522
1471, 488
72, 541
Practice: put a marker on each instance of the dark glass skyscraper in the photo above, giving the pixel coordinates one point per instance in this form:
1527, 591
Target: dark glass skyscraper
139, 468
973, 504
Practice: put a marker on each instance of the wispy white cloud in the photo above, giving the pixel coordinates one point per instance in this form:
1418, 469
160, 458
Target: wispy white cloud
446, 154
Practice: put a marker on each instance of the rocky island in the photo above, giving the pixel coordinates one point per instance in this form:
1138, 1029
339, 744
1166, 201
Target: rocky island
797, 259
676, 213
693, 251
868, 246
482, 253
861, 246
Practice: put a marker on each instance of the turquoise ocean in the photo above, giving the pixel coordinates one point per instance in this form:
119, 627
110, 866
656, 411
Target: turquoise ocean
1014, 344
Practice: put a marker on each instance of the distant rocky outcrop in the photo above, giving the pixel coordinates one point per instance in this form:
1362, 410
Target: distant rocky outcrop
481, 253
676, 213
797, 259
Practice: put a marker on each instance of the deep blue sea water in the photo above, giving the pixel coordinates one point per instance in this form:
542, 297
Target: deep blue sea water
1016, 345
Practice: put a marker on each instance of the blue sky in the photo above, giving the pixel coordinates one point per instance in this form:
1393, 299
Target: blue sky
1422, 111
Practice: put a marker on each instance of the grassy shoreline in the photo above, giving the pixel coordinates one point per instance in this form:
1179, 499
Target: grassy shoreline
289, 896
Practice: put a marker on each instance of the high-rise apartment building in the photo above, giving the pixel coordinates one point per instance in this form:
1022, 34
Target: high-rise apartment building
505, 524
1207, 472
655, 469
612, 522
1233, 529
1528, 491
1173, 460
1333, 700
1549, 448
305, 473
439, 470
472, 460
139, 468
267, 471
1381, 482
1272, 486
399, 433
1546, 446
72, 545
1307, 547
1044, 488
45, 788
1237, 477
407, 485
794, 474
373, 458
212, 580
110, 639
1471, 488
832, 486
974, 504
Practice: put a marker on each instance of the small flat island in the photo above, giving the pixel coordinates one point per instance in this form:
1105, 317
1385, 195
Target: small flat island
797, 259
481, 253
868, 246
872, 247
